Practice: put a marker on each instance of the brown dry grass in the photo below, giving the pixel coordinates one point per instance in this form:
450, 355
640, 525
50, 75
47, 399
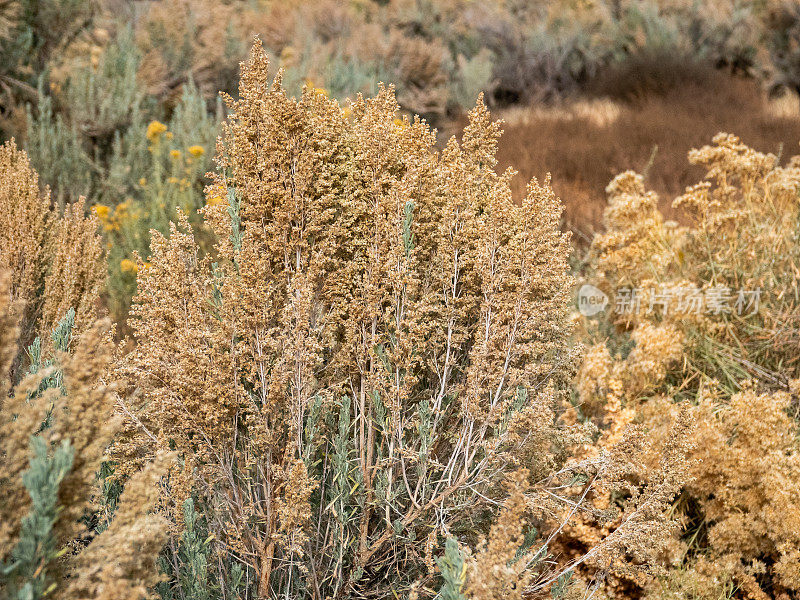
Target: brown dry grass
584, 144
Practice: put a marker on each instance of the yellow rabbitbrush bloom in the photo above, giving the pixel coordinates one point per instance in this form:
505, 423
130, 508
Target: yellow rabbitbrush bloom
112, 221
175, 154
317, 91
196, 151
123, 210
126, 265
154, 131
102, 211
106, 217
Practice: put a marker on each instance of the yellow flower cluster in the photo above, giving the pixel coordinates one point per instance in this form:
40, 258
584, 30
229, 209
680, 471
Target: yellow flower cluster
112, 221
182, 182
102, 212
154, 131
126, 265
317, 91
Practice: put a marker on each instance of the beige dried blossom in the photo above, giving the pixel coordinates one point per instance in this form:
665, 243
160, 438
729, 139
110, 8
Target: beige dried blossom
121, 563
741, 235
496, 571
84, 415
9, 333
26, 220
634, 235
55, 262
746, 479
77, 269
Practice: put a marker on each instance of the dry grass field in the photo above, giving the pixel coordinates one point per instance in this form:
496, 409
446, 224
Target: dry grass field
584, 143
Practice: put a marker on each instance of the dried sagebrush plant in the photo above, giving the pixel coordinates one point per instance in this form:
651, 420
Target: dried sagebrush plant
25, 229
380, 338
695, 334
740, 240
55, 262
748, 483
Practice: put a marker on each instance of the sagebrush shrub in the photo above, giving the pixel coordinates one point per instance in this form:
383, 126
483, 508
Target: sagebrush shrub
55, 427
739, 237
34, 37
380, 338
748, 483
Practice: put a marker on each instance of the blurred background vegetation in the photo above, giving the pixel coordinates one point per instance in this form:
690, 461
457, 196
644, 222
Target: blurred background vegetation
118, 100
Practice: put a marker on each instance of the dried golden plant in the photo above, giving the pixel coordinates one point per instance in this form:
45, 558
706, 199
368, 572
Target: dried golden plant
9, 333
14, 434
604, 383
496, 570
77, 269
55, 262
748, 483
381, 337
121, 563
82, 413
740, 235
610, 390
622, 540
744, 469
26, 220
